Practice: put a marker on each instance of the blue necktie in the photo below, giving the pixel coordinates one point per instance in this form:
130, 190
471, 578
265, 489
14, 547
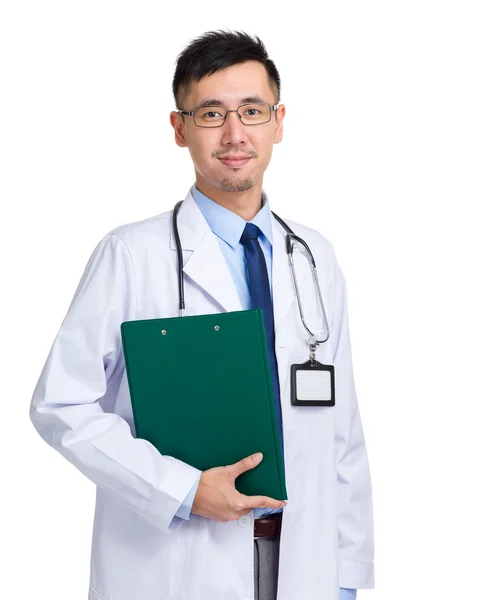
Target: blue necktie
261, 298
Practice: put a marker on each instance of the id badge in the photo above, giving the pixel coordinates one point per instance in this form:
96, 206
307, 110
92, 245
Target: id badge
312, 384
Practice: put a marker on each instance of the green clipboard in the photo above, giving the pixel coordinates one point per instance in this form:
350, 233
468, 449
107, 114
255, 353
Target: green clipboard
201, 391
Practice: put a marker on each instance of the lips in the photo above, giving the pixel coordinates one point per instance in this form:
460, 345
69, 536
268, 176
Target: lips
232, 162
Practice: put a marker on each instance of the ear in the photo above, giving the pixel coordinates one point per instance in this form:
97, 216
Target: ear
176, 120
280, 114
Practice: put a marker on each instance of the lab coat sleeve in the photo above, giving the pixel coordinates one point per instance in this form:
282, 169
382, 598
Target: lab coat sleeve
84, 365
354, 491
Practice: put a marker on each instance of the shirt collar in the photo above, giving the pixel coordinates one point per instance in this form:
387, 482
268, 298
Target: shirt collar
228, 225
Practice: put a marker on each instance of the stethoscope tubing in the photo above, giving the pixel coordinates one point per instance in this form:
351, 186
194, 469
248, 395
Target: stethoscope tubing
291, 240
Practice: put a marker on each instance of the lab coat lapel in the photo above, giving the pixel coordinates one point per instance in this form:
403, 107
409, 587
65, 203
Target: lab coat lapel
203, 259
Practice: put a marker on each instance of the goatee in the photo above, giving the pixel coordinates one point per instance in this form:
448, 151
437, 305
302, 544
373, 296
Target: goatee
236, 185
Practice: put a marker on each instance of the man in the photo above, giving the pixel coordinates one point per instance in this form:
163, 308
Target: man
164, 530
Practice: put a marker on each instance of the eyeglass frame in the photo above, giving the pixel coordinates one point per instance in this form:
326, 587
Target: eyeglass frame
192, 113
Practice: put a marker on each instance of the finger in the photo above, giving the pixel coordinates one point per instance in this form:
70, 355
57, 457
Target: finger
261, 502
245, 464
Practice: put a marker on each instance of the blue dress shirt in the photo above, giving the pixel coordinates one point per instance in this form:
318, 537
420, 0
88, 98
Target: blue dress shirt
228, 228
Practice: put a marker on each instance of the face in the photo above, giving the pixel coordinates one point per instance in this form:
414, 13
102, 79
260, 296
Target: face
207, 146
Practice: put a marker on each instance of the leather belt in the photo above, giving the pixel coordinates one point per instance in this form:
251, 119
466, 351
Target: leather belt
268, 526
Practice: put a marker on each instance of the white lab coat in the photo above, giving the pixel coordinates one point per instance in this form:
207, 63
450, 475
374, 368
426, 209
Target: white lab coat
81, 407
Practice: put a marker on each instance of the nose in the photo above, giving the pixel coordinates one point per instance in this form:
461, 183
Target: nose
233, 130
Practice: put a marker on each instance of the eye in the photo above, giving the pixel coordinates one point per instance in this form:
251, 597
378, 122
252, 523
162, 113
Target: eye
256, 111
211, 114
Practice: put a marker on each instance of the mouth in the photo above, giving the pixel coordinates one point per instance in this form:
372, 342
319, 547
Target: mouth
234, 163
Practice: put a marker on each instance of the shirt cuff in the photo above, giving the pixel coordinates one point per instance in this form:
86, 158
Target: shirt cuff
348, 594
184, 511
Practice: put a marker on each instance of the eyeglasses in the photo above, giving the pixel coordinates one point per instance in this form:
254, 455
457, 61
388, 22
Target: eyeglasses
215, 116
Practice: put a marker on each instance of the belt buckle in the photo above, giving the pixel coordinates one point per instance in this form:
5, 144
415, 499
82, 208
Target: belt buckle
269, 526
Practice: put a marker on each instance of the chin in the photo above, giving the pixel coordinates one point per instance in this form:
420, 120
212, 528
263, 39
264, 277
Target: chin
236, 184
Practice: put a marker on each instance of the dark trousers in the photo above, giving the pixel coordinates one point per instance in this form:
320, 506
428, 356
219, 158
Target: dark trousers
266, 567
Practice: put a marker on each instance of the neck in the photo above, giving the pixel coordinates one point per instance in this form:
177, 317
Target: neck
245, 204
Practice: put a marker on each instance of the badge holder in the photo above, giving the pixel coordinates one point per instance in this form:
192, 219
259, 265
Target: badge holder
312, 383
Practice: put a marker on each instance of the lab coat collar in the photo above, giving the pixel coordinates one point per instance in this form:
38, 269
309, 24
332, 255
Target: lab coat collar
207, 267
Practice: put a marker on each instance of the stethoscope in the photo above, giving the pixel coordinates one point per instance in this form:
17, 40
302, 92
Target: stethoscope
291, 240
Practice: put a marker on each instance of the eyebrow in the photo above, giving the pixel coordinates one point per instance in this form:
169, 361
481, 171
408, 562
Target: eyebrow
217, 102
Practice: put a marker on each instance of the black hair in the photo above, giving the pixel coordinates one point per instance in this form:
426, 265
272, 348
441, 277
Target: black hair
216, 50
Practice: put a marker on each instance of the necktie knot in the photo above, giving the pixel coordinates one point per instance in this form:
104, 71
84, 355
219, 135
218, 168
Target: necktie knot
251, 232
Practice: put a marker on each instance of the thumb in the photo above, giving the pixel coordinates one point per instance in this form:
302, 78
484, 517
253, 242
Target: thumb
246, 464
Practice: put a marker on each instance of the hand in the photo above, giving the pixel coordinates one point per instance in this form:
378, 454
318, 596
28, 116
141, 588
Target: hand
217, 498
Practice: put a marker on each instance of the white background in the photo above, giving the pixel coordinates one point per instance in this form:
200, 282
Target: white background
384, 152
